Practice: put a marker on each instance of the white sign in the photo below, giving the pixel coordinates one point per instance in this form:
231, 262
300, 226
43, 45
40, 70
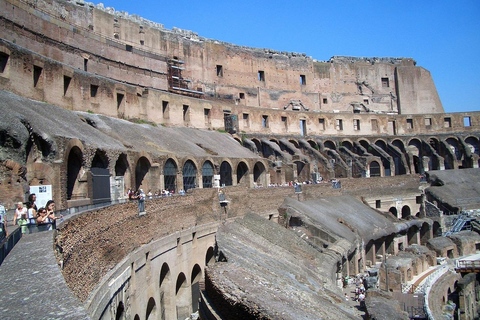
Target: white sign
43, 193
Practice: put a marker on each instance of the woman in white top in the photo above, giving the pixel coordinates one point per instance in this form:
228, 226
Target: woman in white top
31, 213
20, 214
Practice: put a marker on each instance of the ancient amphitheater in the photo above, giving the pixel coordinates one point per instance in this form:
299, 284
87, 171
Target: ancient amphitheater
288, 177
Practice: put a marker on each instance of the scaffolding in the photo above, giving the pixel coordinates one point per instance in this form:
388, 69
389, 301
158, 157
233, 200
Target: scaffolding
176, 82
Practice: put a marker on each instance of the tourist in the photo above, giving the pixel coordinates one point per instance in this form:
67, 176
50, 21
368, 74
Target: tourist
43, 221
141, 201
150, 195
3, 223
31, 212
20, 214
31, 199
50, 207
346, 297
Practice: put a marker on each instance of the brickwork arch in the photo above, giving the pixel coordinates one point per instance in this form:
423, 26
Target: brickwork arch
243, 173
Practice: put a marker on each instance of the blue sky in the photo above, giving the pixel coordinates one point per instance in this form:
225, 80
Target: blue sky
443, 36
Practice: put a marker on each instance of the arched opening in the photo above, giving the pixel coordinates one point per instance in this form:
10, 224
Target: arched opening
209, 257
189, 175
141, 170
329, 144
74, 167
170, 175
151, 309
242, 173
136, 317
347, 144
405, 212
225, 174
399, 144
182, 297
259, 174
375, 169
437, 229
207, 174
393, 211
100, 178
122, 176
195, 281
120, 312
164, 284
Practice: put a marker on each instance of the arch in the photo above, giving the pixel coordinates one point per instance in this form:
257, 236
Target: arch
406, 212
330, 144
313, 144
347, 144
242, 173
393, 211
151, 312
189, 175
437, 229
381, 144
399, 144
209, 257
100, 178
207, 174
122, 166
225, 174
375, 170
120, 312
141, 171
195, 286
164, 284
100, 160
238, 140
259, 174
365, 144
473, 144
258, 145
74, 168
137, 317
302, 171
170, 175
122, 175
182, 297
294, 142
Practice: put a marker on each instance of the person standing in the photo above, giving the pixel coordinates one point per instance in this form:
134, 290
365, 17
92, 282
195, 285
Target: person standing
3, 223
20, 214
141, 201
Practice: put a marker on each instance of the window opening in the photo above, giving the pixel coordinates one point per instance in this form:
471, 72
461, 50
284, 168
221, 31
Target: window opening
142, 42
321, 122
428, 122
186, 116
129, 48
170, 175
447, 122
409, 123
119, 100
265, 121
94, 90
339, 124
303, 127
378, 204
261, 75
303, 80
206, 113
37, 72
85, 64
241, 95
325, 101
385, 83
3, 61
246, 121
165, 109
356, 124
219, 70
374, 124
467, 122
66, 84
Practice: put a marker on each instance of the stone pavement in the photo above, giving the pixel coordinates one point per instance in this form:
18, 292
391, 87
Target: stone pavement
32, 285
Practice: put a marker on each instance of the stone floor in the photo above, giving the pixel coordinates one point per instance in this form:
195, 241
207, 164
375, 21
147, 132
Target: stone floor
32, 285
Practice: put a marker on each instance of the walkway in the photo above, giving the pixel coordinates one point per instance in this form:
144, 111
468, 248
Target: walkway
32, 285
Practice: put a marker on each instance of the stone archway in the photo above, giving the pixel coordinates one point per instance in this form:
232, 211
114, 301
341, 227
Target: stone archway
170, 175
225, 174
189, 173
207, 174
75, 188
242, 174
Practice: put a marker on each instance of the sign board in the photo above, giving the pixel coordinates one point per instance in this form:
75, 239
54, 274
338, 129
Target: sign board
43, 193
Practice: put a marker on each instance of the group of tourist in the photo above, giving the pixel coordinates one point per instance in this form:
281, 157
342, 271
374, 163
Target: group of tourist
28, 214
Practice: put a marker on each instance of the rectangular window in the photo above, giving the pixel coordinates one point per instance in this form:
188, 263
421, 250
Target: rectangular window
428, 122
374, 125
325, 101
261, 75
321, 123
186, 114
142, 42
447, 122
119, 100
206, 113
3, 61
219, 70
241, 95
385, 83
366, 102
129, 48
467, 122
93, 90
303, 80
410, 124
356, 124
165, 109
284, 121
246, 122
265, 121
85, 64
66, 84
339, 124
378, 204
37, 73
303, 127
